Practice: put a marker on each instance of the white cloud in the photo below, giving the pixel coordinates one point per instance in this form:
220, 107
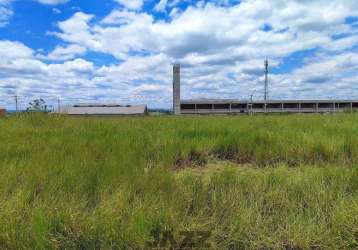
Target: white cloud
5, 15
56, 11
16, 57
77, 30
74, 66
119, 17
341, 44
11, 50
66, 53
210, 50
161, 5
221, 48
23, 74
5, 12
52, 2
324, 76
295, 26
5, 1
131, 4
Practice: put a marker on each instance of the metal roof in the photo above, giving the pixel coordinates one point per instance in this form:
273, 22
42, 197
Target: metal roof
106, 110
99, 105
228, 101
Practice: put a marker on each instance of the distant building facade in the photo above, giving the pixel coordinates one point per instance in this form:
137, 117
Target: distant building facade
104, 110
228, 106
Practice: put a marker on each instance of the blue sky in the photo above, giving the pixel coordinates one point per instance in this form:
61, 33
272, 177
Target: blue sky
122, 50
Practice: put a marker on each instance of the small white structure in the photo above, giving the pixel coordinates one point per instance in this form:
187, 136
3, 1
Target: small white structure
105, 110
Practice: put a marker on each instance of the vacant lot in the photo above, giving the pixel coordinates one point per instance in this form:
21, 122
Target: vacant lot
281, 182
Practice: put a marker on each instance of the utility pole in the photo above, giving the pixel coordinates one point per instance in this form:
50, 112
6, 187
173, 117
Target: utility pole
16, 102
58, 105
252, 95
266, 80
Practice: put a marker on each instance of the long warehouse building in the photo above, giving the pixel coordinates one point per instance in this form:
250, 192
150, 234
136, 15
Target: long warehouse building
228, 106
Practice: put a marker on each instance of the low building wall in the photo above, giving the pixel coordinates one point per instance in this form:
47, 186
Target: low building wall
290, 106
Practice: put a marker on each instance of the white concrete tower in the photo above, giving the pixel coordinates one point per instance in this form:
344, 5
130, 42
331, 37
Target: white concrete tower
176, 89
266, 81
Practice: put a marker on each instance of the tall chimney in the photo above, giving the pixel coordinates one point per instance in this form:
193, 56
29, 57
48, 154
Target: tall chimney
266, 81
176, 89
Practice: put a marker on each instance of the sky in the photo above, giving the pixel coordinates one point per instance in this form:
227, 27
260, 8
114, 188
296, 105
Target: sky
122, 51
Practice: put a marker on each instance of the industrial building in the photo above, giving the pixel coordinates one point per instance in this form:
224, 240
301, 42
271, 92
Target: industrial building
227, 106
104, 110
212, 106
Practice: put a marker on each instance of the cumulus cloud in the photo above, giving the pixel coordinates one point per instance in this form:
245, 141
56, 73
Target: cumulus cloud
341, 44
18, 59
295, 26
161, 5
65, 53
12, 50
77, 30
75, 80
212, 50
119, 17
5, 12
221, 46
52, 2
324, 76
131, 4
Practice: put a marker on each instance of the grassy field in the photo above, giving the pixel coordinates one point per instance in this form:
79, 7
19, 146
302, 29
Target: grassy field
261, 182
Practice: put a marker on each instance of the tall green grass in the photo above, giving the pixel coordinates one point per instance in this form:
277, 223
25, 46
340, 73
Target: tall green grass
78, 183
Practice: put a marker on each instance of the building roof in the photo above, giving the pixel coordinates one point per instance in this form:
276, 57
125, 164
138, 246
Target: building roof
228, 101
105, 109
99, 105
